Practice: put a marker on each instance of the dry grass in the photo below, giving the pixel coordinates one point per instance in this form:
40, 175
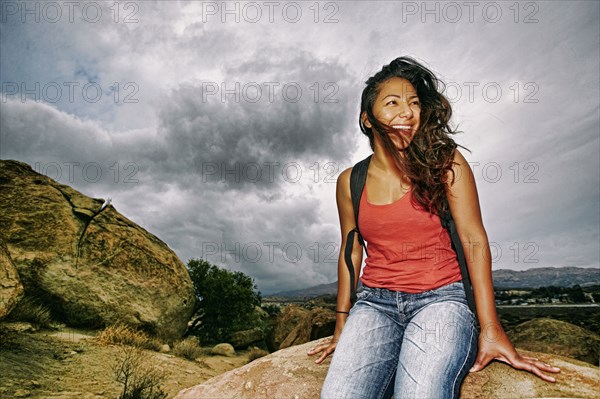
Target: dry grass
256, 353
188, 348
121, 334
31, 310
139, 378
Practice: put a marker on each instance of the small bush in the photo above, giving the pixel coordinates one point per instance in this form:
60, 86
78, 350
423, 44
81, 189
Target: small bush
188, 348
140, 380
125, 335
206, 351
272, 310
31, 310
256, 353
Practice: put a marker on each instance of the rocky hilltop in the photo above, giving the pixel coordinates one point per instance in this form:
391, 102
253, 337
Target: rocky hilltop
91, 265
290, 373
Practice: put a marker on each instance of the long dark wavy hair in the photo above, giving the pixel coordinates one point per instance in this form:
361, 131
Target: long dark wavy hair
428, 157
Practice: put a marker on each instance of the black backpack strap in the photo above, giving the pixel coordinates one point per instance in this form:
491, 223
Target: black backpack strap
448, 223
358, 177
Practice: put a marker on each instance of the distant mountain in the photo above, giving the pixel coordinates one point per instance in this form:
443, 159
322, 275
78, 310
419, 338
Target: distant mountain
546, 276
503, 278
307, 293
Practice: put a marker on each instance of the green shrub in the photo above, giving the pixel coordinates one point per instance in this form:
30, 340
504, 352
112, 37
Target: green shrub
226, 301
272, 310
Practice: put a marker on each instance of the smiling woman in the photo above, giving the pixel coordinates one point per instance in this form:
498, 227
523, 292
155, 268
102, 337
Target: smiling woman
412, 332
398, 106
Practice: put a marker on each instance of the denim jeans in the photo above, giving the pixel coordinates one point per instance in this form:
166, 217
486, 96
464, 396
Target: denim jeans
418, 345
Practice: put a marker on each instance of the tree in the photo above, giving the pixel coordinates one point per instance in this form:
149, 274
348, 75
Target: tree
576, 294
226, 300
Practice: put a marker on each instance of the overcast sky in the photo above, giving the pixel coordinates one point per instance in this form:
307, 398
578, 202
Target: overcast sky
222, 129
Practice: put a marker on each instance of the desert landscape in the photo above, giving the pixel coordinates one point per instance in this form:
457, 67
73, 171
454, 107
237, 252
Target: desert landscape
94, 306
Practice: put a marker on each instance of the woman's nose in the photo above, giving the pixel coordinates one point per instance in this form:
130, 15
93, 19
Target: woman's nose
405, 111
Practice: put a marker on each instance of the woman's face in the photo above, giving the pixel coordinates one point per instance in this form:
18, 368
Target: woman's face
397, 106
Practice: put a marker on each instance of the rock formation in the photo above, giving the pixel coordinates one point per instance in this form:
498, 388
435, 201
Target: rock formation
317, 324
296, 325
287, 321
223, 349
245, 338
290, 373
555, 336
11, 289
89, 263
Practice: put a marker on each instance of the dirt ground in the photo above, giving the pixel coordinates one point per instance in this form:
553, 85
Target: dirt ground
69, 364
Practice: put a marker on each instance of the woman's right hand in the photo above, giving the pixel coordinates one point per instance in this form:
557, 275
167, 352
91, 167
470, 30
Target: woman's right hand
326, 348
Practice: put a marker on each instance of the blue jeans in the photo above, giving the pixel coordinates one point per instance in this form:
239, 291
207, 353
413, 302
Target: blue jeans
410, 345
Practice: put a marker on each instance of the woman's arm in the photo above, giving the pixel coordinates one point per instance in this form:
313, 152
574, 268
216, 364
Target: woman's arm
493, 342
347, 223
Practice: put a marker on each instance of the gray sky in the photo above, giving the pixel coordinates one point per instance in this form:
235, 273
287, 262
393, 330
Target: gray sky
225, 137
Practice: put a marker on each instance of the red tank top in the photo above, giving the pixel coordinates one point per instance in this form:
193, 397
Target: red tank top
408, 249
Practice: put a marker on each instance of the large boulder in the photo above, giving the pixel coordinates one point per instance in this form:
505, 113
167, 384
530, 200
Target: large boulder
555, 336
11, 289
89, 263
317, 323
287, 321
245, 338
224, 349
290, 373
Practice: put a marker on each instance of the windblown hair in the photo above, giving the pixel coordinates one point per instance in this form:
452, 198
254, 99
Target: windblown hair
428, 158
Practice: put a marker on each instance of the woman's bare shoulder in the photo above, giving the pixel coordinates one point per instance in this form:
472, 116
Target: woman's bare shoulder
459, 157
343, 183
460, 167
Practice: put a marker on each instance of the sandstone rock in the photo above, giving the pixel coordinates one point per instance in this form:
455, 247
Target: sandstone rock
317, 324
286, 321
18, 326
11, 289
290, 373
559, 337
223, 350
245, 338
22, 393
93, 267
165, 348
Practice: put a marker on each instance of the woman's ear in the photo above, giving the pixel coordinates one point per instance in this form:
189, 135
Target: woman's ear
365, 120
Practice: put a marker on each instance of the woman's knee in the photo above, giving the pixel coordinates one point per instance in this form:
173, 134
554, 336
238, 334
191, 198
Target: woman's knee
439, 344
365, 359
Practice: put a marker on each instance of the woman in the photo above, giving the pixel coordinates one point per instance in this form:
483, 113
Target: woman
411, 332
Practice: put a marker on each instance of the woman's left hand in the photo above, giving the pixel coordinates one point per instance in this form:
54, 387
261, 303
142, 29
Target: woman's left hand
498, 347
